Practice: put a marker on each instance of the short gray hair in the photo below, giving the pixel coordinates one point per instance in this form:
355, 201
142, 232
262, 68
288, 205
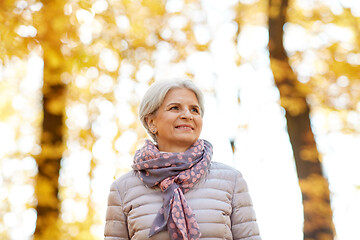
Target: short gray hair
155, 96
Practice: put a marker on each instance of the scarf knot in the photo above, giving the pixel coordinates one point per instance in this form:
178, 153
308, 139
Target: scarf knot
164, 184
175, 174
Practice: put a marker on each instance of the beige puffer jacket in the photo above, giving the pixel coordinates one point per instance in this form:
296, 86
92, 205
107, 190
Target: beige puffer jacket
220, 201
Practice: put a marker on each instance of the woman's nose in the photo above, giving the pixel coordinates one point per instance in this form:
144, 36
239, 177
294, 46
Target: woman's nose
187, 114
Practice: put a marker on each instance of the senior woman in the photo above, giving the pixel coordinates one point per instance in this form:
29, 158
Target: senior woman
175, 190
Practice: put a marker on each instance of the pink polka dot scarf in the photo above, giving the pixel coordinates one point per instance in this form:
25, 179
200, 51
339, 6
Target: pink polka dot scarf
175, 174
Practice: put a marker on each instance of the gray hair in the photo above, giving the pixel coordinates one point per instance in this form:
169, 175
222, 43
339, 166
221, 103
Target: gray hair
155, 96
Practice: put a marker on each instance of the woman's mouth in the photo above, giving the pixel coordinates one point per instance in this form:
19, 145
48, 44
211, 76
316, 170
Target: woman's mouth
184, 127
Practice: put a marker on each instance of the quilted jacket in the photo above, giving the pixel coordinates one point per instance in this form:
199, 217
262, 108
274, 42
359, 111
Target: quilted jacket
220, 201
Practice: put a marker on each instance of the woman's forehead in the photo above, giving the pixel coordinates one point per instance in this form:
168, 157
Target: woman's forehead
180, 95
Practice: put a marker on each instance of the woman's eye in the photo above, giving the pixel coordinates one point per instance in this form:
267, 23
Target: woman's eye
174, 108
195, 110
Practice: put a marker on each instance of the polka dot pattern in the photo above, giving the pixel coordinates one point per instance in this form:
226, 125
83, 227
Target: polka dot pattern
175, 174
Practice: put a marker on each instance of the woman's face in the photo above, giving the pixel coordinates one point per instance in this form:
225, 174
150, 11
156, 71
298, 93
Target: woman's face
178, 121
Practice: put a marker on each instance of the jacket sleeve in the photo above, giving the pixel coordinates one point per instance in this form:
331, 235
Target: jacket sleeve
243, 219
116, 221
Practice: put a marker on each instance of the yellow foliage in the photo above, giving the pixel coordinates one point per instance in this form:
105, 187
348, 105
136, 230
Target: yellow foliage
274, 11
50, 228
309, 154
60, 24
49, 151
7, 93
85, 4
294, 105
55, 106
282, 71
156, 7
45, 189
53, 59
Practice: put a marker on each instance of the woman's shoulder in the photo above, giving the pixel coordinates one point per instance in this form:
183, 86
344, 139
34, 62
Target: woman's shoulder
220, 172
127, 175
218, 166
127, 180
224, 171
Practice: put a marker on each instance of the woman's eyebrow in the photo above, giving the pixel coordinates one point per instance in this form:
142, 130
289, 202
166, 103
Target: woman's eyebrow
172, 103
176, 103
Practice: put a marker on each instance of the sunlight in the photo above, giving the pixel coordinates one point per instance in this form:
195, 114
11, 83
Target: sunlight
145, 73
7, 139
109, 60
174, 6
126, 141
26, 31
122, 23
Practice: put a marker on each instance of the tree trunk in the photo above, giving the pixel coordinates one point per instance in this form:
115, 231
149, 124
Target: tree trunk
318, 223
47, 187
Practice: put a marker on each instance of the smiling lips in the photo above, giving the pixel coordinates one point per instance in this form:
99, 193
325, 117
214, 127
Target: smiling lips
184, 126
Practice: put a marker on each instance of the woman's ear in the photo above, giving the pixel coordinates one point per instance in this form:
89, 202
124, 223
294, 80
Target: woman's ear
151, 123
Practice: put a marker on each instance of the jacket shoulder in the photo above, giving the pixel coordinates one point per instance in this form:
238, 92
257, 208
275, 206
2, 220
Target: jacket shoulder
126, 181
233, 179
219, 165
224, 169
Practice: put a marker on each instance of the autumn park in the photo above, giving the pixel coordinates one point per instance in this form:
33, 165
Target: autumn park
281, 80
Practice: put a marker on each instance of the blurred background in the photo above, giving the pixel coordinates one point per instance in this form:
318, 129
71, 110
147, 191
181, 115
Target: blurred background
281, 80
